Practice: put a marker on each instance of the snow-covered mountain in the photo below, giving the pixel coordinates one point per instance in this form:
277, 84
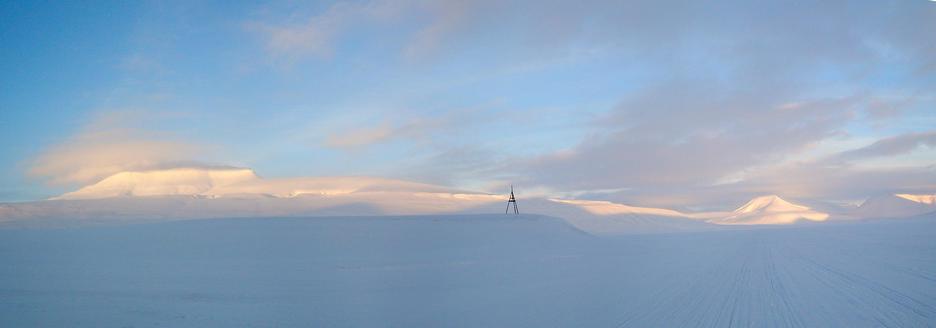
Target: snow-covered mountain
770, 210
176, 181
226, 182
607, 218
189, 193
895, 206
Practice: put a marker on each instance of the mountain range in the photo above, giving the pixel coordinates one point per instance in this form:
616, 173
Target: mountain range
191, 193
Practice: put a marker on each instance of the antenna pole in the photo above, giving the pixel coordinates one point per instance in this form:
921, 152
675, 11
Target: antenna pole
512, 200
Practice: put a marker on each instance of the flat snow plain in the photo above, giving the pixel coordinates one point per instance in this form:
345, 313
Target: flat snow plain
471, 271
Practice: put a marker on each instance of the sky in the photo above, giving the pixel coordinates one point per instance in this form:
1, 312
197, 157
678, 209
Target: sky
684, 104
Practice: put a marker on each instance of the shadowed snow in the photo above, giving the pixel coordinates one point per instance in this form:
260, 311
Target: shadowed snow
466, 271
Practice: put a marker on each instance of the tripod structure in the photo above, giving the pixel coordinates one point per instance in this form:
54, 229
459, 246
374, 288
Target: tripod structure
512, 200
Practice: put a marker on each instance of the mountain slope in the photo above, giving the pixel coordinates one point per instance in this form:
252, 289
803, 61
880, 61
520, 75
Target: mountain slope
607, 218
176, 181
194, 193
895, 206
770, 210
225, 182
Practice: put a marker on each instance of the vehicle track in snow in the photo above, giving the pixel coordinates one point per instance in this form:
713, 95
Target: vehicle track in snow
799, 277
491, 271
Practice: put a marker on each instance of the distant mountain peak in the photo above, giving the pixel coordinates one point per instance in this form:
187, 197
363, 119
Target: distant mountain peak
769, 203
771, 209
609, 208
224, 182
230, 192
896, 205
923, 199
172, 181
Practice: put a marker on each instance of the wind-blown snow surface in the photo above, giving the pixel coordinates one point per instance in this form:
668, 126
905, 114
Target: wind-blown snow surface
473, 271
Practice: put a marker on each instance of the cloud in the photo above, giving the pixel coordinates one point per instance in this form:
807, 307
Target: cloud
774, 33
112, 142
890, 146
423, 127
837, 176
381, 133
697, 138
447, 18
315, 35
735, 93
814, 180
419, 29
468, 166
312, 38
809, 182
360, 137
729, 93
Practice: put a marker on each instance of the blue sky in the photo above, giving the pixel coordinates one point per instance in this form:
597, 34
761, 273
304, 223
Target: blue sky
673, 104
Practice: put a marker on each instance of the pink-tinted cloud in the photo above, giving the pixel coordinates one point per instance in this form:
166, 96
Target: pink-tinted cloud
113, 142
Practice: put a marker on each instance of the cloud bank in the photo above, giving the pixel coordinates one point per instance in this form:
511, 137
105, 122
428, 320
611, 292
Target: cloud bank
113, 142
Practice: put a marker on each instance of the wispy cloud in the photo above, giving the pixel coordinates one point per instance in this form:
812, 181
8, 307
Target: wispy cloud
419, 127
819, 181
315, 34
113, 142
361, 137
698, 138
891, 146
446, 19
427, 28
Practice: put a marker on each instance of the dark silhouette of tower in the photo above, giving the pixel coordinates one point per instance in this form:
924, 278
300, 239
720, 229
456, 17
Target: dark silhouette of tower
513, 201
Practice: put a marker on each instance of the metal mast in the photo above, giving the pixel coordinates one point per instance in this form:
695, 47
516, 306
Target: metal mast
513, 201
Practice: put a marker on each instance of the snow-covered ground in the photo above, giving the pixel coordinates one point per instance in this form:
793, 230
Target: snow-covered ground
466, 270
